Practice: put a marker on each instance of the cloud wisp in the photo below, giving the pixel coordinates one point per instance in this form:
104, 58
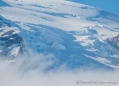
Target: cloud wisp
31, 72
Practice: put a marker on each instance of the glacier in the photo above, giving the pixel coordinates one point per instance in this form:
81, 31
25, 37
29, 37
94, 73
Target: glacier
77, 35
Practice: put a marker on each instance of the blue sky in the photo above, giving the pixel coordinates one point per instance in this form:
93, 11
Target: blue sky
107, 5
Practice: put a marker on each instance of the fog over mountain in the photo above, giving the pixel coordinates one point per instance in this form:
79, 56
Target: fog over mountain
57, 42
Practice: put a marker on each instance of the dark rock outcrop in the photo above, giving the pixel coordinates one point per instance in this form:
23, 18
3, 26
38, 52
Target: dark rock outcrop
9, 41
11, 44
115, 41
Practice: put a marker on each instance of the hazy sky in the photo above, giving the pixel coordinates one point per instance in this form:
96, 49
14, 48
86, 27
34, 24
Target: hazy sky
107, 5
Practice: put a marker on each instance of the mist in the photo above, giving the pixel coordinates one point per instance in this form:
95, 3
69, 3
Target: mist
31, 71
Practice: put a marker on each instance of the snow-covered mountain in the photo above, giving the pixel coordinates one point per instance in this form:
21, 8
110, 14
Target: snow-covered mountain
76, 35
11, 44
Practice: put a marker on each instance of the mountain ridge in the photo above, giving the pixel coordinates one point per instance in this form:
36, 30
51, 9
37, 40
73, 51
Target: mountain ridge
72, 34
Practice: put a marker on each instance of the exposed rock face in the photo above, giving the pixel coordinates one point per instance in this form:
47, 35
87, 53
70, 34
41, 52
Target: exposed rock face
11, 44
115, 41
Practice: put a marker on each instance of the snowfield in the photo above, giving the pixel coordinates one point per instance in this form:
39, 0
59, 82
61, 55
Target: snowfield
57, 43
71, 32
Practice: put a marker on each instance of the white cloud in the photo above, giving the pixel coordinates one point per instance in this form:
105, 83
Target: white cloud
23, 73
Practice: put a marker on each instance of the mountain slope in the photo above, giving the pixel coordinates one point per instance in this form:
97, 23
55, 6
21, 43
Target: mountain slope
77, 35
11, 44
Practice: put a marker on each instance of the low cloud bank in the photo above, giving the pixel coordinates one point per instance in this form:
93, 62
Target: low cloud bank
31, 72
